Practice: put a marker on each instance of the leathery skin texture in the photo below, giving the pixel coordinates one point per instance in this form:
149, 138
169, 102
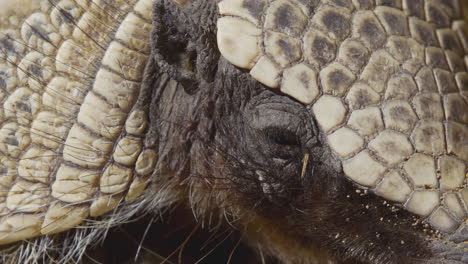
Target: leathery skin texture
301, 131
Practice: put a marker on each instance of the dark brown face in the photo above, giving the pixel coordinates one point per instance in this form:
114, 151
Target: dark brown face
262, 157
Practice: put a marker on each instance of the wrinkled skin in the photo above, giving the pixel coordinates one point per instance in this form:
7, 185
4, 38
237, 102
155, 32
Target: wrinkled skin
242, 148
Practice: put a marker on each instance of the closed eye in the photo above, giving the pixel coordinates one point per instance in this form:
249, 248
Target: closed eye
282, 136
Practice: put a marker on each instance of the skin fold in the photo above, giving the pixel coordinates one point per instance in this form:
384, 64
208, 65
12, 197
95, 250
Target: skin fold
244, 174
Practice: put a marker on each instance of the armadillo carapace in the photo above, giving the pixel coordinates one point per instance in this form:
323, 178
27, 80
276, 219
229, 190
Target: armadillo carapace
70, 136
385, 80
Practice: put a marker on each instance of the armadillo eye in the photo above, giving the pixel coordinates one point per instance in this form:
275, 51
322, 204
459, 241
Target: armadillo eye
284, 143
281, 128
282, 136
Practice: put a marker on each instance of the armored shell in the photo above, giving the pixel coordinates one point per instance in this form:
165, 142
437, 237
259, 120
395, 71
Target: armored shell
70, 125
386, 83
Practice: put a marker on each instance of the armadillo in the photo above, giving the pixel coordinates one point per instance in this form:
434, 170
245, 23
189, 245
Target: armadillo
332, 124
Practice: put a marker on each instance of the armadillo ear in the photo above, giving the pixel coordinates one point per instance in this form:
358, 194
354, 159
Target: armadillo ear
181, 47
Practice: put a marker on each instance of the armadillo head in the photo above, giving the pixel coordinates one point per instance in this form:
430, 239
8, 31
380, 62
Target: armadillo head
343, 123
333, 124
